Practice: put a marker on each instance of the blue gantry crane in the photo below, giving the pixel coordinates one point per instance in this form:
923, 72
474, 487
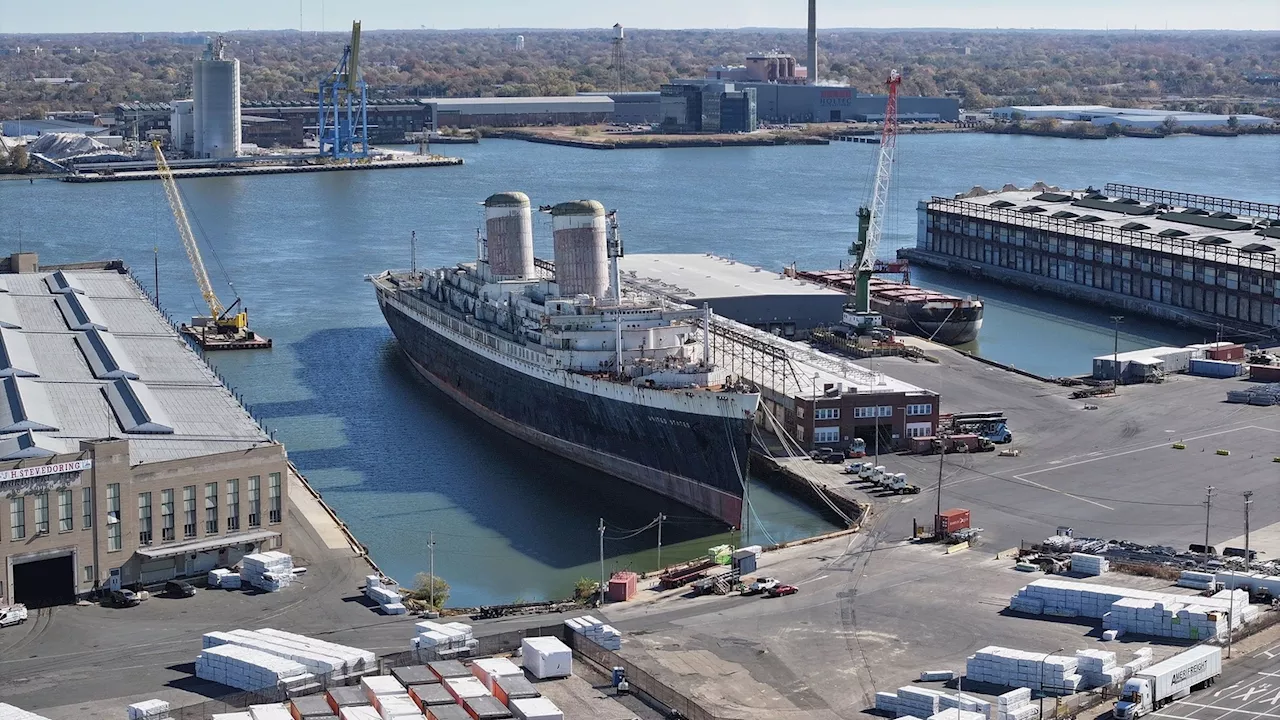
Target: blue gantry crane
343, 127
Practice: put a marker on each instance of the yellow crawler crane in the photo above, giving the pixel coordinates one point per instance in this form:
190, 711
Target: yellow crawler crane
231, 331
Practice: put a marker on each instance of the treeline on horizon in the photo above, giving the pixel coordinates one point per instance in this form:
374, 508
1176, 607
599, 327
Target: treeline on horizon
984, 67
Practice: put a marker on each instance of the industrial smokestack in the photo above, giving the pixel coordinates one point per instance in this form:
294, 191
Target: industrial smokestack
813, 42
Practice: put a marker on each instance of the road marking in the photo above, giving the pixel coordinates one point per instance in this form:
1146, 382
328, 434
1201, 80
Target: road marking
1228, 710
820, 577
1019, 478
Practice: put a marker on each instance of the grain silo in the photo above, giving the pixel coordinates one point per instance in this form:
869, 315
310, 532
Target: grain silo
508, 224
582, 262
216, 106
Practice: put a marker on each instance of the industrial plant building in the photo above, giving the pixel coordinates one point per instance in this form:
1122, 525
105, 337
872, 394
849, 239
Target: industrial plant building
712, 107
1195, 259
1125, 117
821, 400
123, 458
517, 111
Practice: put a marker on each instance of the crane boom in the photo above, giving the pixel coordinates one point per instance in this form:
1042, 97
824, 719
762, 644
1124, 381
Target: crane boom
871, 219
188, 237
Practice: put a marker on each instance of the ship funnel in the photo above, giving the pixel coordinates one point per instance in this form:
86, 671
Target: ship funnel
582, 262
508, 225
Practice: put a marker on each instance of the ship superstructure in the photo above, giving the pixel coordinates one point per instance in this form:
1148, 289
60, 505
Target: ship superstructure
562, 356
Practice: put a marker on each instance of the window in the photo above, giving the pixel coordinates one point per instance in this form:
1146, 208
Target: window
87, 495
864, 412
255, 504
65, 522
42, 514
826, 434
273, 496
113, 518
144, 518
826, 414
88, 573
233, 505
189, 511
211, 508
166, 515
923, 409
919, 429
886, 411
17, 518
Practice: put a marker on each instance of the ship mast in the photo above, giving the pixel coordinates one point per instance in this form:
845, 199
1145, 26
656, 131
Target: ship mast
615, 279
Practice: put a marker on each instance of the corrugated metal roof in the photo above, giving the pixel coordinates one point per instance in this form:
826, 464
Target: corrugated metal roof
136, 408
15, 355
80, 312
9, 317
107, 359
520, 105
176, 389
26, 406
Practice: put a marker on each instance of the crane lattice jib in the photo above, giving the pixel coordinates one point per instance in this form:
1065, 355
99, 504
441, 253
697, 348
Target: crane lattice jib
884, 172
188, 237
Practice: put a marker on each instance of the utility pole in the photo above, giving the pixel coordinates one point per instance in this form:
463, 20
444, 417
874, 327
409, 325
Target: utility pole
661, 517
1248, 500
1115, 353
431, 545
156, 251
413, 253
937, 516
1208, 502
601, 562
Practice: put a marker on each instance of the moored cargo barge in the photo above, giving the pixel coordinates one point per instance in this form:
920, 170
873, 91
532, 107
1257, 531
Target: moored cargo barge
939, 317
1198, 260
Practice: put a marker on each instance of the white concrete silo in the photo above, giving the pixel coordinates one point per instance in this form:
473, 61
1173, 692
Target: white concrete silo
216, 104
582, 262
508, 224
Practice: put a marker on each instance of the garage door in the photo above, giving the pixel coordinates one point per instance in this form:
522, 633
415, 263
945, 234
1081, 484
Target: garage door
42, 583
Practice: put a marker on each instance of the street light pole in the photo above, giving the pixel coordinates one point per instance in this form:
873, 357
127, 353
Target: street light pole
601, 562
1042, 662
1208, 502
1248, 500
661, 517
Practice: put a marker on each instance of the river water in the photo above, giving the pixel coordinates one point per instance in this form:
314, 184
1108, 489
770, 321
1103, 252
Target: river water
398, 460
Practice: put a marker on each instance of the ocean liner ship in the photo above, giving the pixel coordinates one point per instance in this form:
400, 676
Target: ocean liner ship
561, 356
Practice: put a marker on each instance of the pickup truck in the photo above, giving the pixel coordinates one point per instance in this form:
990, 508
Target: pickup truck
1175, 678
761, 584
13, 615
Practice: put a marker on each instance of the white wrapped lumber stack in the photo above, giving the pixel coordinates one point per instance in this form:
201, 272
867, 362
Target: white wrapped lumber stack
1017, 668
957, 714
356, 658
1166, 619
1086, 564
887, 702
1098, 668
148, 710
1064, 598
1015, 705
270, 712
245, 668
1196, 580
968, 703
606, 636
270, 571
546, 657
917, 701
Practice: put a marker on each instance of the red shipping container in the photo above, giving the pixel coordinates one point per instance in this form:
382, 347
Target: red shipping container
952, 520
622, 586
1264, 373
1226, 352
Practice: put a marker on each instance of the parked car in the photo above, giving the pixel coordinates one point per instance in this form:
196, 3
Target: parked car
13, 615
179, 588
761, 584
121, 598
780, 590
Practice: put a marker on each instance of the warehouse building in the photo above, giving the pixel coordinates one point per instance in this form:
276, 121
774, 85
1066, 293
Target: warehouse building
708, 107
633, 108
1125, 117
517, 111
123, 458
786, 102
819, 399
763, 299
1194, 259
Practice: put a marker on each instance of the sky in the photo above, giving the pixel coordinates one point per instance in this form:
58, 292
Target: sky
78, 16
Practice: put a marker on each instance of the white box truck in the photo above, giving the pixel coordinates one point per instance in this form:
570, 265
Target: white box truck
1173, 679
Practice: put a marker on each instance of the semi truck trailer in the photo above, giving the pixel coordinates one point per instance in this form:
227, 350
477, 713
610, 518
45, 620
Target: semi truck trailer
1173, 679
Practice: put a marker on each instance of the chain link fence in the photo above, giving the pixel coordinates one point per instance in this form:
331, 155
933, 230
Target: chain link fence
639, 680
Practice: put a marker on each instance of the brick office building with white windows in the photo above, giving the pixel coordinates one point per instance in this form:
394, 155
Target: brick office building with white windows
123, 458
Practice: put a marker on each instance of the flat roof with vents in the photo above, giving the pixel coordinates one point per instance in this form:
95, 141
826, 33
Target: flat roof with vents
1212, 234
137, 380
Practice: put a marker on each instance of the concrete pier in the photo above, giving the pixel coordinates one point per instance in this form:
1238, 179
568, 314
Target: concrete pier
183, 173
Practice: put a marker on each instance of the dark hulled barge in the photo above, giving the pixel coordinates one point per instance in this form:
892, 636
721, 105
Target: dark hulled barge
939, 317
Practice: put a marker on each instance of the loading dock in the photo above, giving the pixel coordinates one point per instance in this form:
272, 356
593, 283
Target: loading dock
44, 579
